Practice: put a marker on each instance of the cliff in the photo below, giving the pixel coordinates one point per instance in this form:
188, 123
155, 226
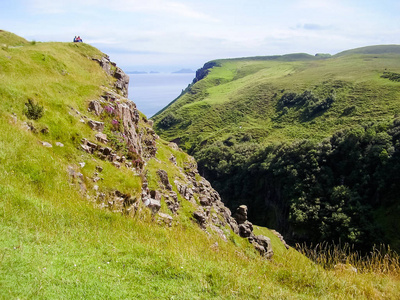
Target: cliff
127, 140
93, 204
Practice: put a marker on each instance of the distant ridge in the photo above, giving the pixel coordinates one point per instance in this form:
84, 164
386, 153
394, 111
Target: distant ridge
184, 71
136, 72
285, 57
377, 49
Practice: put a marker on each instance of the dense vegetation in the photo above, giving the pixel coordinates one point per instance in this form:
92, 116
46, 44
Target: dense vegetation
329, 191
309, 143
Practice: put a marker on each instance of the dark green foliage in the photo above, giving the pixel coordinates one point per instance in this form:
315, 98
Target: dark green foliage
168, 121
202, 72
32, 110
313, 192
315, 105
391, 76
323, 55
308, 101
290, 99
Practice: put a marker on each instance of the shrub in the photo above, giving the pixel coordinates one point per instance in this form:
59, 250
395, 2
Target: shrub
32, 110
168, 121
391, 76
289, 99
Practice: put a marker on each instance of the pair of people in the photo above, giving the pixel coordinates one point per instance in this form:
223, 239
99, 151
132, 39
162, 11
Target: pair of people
77, 39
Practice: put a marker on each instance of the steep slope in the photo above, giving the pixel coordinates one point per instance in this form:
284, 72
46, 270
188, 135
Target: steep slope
94, 205
268, 132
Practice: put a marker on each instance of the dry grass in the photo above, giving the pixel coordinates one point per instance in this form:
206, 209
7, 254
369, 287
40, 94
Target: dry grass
381, 260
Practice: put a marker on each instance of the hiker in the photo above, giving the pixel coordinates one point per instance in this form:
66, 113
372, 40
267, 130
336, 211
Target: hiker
78, 39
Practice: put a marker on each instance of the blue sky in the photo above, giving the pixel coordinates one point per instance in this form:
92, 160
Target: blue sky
167, 35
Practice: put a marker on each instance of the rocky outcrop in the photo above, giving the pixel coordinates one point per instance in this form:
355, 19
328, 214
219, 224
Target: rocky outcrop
122, 79
280, 238
122, 119
213, 214
122, 83
95, 125
261, 243
127, 141
203, 72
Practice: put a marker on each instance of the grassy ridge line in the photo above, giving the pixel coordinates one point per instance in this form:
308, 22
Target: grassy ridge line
54, 244
252, 89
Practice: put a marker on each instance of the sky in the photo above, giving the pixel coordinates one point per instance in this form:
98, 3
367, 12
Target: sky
167, 35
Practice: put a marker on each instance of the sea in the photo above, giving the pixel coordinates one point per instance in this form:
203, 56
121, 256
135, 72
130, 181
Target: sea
153, 91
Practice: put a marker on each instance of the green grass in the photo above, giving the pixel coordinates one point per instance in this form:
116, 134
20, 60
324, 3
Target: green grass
8, 39
55, 244
241, 94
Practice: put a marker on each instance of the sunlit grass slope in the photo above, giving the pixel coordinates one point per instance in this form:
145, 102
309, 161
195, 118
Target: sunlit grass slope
8, 39
239, 97
54, 244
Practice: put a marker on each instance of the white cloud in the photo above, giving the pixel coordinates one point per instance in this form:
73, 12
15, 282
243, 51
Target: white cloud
174, 8
170, 7
169, 31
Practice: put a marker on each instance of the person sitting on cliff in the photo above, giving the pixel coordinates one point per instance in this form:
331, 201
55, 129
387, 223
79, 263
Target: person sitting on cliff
78, 39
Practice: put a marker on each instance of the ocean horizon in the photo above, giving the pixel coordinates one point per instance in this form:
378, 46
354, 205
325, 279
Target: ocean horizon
153, 91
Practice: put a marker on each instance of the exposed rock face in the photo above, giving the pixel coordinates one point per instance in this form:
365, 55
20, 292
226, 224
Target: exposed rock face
211, 210
263, 245
124, 127
120, 121
202, 72
96, 107
246, 229
122, 79
164, 179
105, 63
95, 125
122, 82
241, 214
260, 242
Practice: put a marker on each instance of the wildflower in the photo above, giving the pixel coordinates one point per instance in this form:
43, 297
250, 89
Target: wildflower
109, 109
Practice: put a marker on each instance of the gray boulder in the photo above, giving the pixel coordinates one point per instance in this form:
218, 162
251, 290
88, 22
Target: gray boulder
164, 179
241, 214
122, 82
96, 107
263, 245
96, 125
246, 229
200, 217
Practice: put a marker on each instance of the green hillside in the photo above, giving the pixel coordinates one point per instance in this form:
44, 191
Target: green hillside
72, 225
309, 143
8, 39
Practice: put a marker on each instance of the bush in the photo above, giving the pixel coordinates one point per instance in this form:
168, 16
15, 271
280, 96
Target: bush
168, 121
391, 76
32, 110
290, 99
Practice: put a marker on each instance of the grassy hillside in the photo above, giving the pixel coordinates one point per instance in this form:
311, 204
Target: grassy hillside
288, 134
239, 97
8, 39
55, 244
